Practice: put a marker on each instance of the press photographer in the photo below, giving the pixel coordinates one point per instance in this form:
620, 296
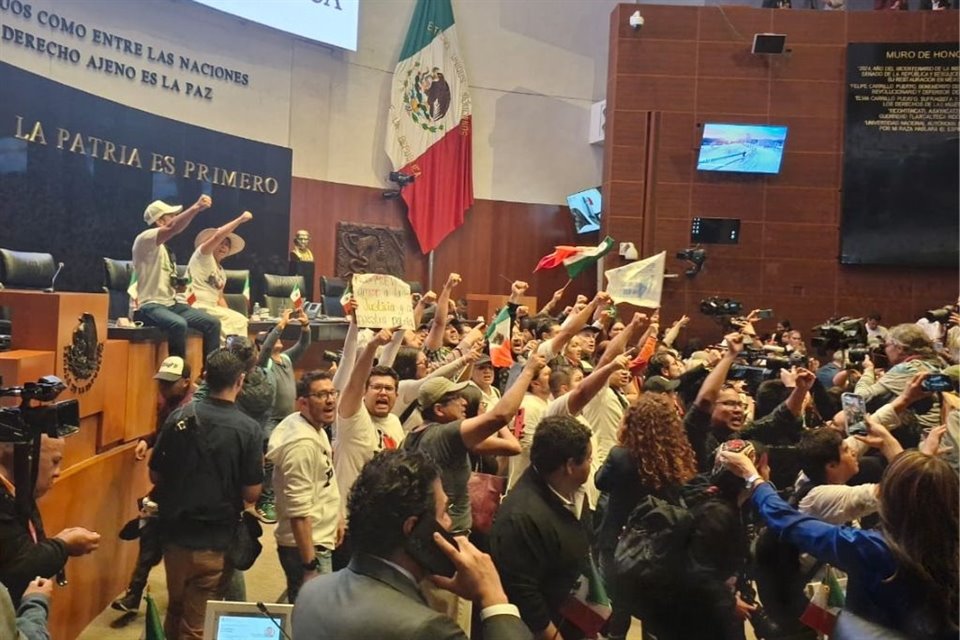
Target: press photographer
30, 455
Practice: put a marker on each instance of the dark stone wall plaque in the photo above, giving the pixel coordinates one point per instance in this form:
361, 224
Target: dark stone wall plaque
365, 248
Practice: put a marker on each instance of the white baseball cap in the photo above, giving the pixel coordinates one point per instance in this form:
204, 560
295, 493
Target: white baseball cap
157, 209
171, 369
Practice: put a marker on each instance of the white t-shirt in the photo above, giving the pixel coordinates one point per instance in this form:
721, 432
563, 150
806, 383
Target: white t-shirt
153, 267
533, 409
605, 414
839, 503
358, 438
207, 279
559, 407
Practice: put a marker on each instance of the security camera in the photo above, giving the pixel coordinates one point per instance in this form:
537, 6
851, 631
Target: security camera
636, 20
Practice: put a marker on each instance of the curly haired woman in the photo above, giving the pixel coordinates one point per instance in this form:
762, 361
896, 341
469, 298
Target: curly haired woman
653, 458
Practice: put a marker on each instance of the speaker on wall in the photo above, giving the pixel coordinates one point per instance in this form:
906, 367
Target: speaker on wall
769, 43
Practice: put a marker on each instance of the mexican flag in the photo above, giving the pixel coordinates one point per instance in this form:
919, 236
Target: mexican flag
825, 604
429, 130
575, 259
498, 335
134, 292
154, 624
296, 298
246, 289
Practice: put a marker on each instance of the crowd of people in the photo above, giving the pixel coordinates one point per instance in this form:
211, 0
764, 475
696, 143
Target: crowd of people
689, 487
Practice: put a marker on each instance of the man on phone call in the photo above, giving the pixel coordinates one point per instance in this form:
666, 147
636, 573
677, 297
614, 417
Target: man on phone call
394, 548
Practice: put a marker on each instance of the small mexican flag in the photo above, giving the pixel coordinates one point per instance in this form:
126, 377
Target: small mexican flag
588, 606
296, 298
246, 289
191, 294
825, 605
575, 259
134, 292
498, 335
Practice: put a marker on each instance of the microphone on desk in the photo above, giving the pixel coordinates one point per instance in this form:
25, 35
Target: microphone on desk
266, 613
53, 280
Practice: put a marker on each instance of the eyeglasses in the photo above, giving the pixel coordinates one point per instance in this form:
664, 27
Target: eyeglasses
389, 388
325, 395
731, 403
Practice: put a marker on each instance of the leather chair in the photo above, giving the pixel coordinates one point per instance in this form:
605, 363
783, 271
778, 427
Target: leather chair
331, 290
116, 281
233, 290
276, 292
23, 270
26, 270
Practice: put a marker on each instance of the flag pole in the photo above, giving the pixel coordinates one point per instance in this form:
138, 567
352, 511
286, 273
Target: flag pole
430, 271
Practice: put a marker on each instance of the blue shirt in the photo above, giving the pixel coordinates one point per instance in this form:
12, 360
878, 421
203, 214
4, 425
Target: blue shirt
863, 555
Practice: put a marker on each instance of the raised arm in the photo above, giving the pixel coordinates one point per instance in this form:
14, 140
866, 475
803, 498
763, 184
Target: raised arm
348, 358
266, 349
554, 300
300, 347
183, 219
475, 430
222, 232
715, 379
435, 338
619, 344
674, 331
572, 325
352, 396
593, 383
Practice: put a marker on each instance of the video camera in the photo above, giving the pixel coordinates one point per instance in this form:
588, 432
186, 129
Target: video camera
763, 362
25, 423
850, 335
717, 307
942, 315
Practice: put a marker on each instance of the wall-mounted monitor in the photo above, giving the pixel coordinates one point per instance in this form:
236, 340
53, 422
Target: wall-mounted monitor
742, 148
715, 231
585, 207
331, 22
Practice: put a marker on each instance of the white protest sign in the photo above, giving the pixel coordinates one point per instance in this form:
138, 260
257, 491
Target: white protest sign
639, 283
383, 302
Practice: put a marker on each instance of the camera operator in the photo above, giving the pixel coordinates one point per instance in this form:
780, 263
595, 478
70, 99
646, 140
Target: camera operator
25, 552
910, 351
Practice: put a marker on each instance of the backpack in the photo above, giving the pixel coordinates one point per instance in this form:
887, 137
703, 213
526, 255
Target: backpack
652, 549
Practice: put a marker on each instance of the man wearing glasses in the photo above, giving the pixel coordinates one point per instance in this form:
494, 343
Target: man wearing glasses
310, 521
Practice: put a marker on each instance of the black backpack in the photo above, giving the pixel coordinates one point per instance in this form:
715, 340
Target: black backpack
652, 549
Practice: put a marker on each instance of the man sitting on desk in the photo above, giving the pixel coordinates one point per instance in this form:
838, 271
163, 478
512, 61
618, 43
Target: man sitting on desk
395, 491
155, 271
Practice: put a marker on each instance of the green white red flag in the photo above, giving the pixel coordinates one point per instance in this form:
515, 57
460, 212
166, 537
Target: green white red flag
575, 259
246, 289
133, 290
498, 337
429, 132
296, 297
190, 293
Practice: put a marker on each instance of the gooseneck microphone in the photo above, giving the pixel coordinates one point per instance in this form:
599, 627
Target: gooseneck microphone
53, 280
266, 612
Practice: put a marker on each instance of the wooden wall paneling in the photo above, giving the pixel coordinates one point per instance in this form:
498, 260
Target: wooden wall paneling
870, 281
811, 99
816, 170
799, 277
23, 365
675, 165
887, 26
733, 95
721, 200
730, 60
812, 27
629, 162
645, 56
78, 499
661, 22
678, 131
141, 396
940, 26
654, 93
82, 445
824, 135
809, 62
115, 354
673, 201
733, 24
789, 240
802, 204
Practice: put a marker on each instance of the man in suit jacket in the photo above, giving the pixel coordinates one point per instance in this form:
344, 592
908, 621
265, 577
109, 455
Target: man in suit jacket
377, 595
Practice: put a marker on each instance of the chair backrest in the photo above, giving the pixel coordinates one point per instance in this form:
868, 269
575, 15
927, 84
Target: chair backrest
415, 287
233, 290
26, 270
116, 281
276, 291
331, 290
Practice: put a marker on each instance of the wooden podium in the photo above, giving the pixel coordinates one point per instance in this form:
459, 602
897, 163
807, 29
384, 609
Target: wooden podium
486, 305
65, 334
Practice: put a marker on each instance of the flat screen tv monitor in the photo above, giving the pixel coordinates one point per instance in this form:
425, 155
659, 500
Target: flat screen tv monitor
585, 207
324, 21
225, 620
715, 231
741, 148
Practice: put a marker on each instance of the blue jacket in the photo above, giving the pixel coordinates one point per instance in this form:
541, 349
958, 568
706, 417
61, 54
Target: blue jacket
867, 560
